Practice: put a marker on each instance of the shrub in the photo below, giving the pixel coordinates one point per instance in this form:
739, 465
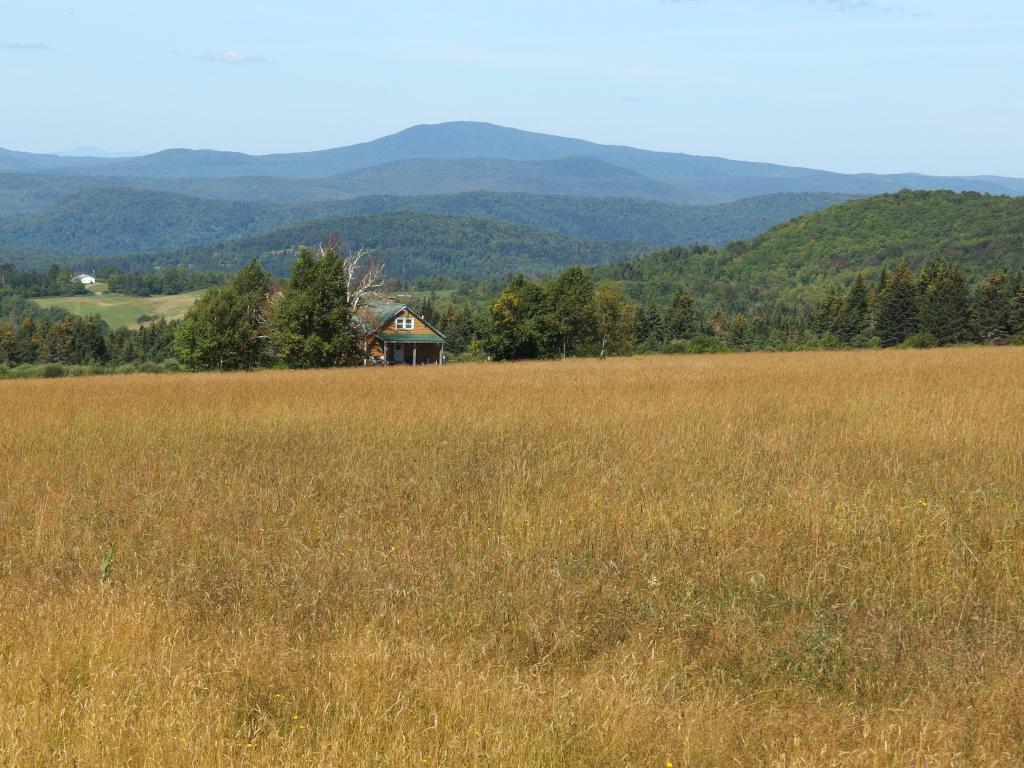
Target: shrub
920, 341
53, 371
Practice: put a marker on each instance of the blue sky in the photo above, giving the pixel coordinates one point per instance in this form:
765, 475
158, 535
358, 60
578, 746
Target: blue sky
851, 85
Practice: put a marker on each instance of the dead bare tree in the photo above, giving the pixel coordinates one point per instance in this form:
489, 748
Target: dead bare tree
363, 274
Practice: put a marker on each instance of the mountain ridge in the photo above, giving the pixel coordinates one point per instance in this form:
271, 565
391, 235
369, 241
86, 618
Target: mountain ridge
473, 140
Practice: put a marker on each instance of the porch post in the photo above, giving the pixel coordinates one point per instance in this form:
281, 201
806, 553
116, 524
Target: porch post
414, 353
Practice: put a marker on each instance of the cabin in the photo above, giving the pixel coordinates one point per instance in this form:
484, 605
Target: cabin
391, 333
84, 279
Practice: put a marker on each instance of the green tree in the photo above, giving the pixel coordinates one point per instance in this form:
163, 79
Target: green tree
571, 304
520, 326
897, 311
216, 334
855, 313
683, 322
311, 322
226, 329
944, 303
737, 334
7, 346
992, 310
828, 316
614, 321
252, 287
27, 341
1017, 306
650, 325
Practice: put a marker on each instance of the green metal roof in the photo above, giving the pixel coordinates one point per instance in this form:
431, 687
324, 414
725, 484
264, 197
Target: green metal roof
411, 338
374, 313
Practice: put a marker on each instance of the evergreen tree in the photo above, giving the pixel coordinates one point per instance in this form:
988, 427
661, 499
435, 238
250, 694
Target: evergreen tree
226, 329
461, 328
428, 311
897, 312
571, 305
992, 310
1017, 306
650, 325
828, 316
855, 313
311, 322
27, 341
252, 287
216, 334
944, 303
683, 322
738, 334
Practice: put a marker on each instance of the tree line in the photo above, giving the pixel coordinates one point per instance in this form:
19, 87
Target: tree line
42, 341
256, 320
164, 282
571, 315
56, 281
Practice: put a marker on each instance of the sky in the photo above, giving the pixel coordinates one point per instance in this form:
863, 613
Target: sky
933, 86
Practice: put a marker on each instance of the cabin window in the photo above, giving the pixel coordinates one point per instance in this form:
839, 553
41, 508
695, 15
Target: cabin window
404, 324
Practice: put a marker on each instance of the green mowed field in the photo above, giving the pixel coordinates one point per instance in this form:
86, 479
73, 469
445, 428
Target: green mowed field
120, 310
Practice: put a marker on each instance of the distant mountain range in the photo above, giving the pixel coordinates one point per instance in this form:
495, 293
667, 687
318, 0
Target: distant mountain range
695, 178
530, 191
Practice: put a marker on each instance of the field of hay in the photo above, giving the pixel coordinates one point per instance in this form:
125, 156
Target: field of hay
810, 559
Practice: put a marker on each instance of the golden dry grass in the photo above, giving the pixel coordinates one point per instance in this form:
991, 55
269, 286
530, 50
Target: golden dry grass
779, 560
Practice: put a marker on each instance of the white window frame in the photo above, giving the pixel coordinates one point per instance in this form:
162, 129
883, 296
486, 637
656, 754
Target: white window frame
405, 324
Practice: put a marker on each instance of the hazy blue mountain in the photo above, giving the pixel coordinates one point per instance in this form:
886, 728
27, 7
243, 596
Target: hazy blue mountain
701, 178
583, 177
27, 162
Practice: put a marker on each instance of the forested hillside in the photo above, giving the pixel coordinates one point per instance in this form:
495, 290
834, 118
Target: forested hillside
631, 219
103, 223
797, 261
411, 244
106, 222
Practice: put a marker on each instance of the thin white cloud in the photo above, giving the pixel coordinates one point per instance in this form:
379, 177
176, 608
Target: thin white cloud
8, 46
232, 57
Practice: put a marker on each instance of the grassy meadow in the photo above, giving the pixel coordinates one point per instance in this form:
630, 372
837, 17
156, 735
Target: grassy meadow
123, 311
810, 559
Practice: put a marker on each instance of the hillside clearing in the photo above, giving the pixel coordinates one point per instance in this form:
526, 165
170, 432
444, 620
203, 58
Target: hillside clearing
121, 311
808, 559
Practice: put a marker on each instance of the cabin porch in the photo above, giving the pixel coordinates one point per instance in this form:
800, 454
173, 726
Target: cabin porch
413, 353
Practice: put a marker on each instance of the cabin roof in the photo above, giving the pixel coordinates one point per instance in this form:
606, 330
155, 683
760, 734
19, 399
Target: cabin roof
376, 313
411, 338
